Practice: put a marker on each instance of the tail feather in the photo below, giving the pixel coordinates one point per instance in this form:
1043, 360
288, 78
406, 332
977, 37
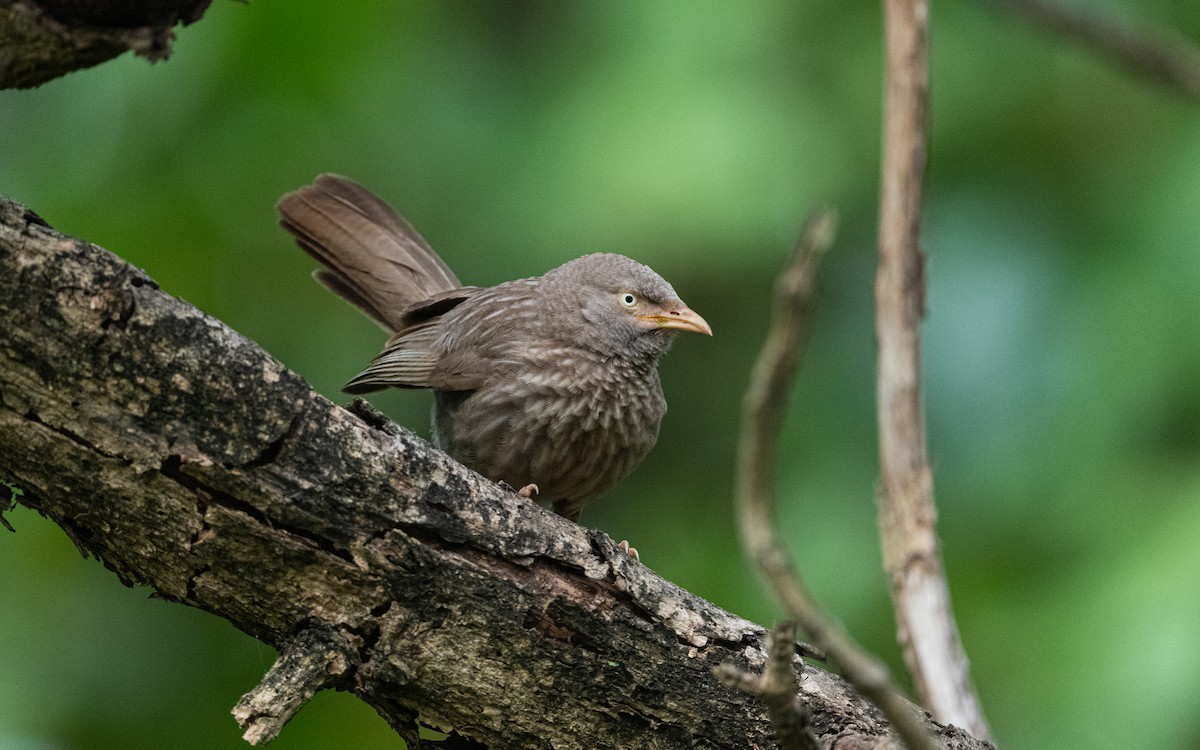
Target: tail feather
373, 257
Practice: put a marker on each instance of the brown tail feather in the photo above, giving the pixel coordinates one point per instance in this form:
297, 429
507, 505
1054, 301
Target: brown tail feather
374, 258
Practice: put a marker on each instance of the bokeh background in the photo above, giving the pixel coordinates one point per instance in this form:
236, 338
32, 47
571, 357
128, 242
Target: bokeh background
1062, 344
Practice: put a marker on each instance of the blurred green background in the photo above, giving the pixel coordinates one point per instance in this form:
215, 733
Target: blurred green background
1062, 345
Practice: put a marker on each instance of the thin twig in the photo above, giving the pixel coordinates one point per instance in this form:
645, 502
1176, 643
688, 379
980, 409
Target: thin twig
762, 415
766, 396
777, 687
1157, 52
907, 516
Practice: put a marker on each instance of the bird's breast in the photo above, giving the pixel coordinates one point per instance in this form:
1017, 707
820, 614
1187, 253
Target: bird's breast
574, 423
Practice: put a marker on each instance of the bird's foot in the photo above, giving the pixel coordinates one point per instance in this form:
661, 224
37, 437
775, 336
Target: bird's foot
526, 492
631, 551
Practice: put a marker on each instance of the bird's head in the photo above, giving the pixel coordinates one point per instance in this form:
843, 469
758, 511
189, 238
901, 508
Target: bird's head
620, 306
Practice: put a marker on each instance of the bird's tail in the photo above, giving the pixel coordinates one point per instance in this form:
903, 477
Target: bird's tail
372, 257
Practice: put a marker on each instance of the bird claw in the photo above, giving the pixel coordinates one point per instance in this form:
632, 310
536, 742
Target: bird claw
527, 491
631, 551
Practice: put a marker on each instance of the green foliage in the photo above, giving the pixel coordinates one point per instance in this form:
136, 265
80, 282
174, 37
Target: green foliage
1062, 349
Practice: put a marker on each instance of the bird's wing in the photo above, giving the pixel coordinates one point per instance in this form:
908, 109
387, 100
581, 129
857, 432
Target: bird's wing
409, 361
491, 335
457, 341
434, 306
416, 357
373, 257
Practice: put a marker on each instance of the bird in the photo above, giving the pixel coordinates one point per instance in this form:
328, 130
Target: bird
549, 383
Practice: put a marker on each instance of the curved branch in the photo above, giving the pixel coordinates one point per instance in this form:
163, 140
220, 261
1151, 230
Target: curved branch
185, 458
762, 416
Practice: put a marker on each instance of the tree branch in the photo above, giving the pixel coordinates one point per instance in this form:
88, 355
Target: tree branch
907, 516
311, 661
762, 416
1156, 52
777, 688
185, 458
43, 39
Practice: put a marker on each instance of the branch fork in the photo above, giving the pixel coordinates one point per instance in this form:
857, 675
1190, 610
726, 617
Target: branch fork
315, 659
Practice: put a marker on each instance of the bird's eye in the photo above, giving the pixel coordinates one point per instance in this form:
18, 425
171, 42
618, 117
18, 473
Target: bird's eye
627, 299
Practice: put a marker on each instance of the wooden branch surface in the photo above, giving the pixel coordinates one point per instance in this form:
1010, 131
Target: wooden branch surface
907, 515
187, 459
776, 686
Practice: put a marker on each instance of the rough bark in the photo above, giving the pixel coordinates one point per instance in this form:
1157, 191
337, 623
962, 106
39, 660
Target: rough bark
44, 39
185, 458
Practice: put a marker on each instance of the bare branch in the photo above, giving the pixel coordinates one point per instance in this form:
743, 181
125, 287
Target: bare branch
762, 415
313, 660
41, 40
189, 460
1156, 52
907, 516
764, 405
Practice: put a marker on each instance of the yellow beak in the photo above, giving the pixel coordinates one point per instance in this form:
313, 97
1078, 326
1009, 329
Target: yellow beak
679, 319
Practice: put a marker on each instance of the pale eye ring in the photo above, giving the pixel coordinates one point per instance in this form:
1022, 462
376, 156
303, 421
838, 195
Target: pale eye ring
628, 299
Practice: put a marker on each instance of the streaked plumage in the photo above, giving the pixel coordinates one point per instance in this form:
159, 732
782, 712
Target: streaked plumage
550, 380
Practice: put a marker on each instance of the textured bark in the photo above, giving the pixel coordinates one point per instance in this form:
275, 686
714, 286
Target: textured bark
43, 39
185, 458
